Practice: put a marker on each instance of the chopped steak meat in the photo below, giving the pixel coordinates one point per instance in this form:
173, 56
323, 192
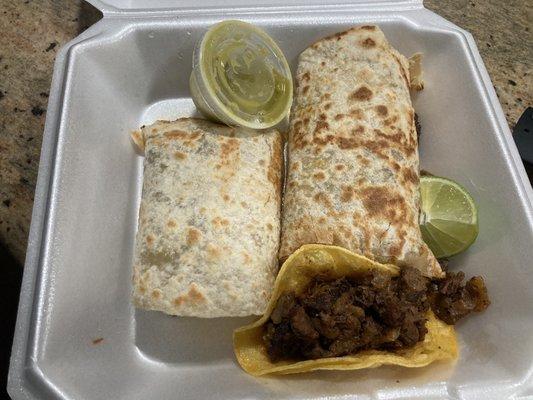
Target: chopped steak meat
334, 318
451, 300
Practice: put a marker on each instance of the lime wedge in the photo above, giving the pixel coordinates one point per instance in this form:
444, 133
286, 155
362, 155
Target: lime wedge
448, 216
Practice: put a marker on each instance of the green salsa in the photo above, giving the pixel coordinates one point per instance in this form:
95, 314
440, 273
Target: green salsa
245, 73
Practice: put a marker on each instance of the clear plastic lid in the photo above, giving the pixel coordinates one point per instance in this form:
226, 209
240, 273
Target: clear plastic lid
241, 77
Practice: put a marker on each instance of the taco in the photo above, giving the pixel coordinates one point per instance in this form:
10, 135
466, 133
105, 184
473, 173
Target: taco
322, 278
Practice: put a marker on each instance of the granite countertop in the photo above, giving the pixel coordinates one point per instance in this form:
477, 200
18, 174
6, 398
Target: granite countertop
33, 30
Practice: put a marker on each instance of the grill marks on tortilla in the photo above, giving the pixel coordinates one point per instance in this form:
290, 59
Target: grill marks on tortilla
361, 94
369, 145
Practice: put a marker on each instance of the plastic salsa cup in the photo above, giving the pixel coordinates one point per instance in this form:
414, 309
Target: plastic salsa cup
240, 76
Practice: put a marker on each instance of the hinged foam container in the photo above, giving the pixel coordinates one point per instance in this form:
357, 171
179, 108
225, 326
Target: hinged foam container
78, 335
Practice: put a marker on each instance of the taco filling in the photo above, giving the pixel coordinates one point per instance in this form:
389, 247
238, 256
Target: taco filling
374, 311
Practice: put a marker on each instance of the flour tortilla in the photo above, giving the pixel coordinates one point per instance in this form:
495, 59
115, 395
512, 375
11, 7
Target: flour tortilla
209, 221
353, 173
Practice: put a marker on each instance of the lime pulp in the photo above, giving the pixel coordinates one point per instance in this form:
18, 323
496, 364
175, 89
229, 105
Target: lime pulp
448, 216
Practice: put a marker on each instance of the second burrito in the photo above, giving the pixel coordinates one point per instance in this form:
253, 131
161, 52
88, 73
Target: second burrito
353, 172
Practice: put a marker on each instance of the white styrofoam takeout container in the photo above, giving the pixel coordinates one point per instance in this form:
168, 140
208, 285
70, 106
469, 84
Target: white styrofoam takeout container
133, 67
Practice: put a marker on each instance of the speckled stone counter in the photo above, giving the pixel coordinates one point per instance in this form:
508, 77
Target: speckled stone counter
31, 32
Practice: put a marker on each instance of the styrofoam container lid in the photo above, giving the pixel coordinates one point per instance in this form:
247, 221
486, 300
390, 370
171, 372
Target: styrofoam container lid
120, 6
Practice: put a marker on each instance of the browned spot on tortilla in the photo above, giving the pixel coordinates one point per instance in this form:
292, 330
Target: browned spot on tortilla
391, 120
193, 236
321, 125
269, 226
380, 201
305, 89
323, 117
356, 113
97, 341
171, 223
382, 110
177, 134
360, 129
368, 27
247, 258
220, 221
347, 143
243, 204
195, 295
306, 121
202, 210
323, 63
361, 94
346, 194
395, 166
376, 146
360, 181
149, 240
336, 36
295, 166
327, 106
410, 175
306, 76
213, 252
327, 96
226, 197
262, 163
365, 161
228, 147
397, 137
368, 43
299, 143
319, 176
179, 155
339, 167
323, 198
322, 220
339, 117
156, 294
322, 141
178, 301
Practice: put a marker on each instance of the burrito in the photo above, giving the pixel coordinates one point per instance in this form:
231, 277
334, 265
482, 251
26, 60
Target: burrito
353, 170
209, 219
334, 309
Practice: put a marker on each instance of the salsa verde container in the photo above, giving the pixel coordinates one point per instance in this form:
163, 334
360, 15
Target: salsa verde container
240, 76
